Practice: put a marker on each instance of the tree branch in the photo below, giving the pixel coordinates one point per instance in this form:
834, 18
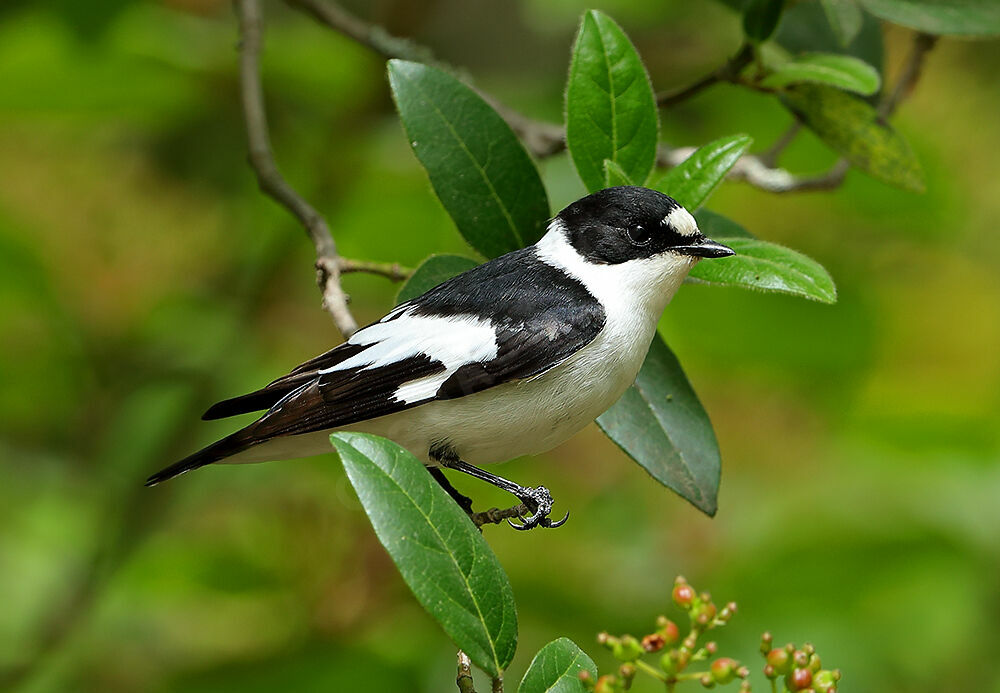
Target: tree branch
726, 73
544, 139
495, 516
390, 270
910, 75
272, 183
464, 677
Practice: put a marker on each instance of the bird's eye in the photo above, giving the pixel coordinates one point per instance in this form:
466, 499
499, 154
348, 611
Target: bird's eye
639, 235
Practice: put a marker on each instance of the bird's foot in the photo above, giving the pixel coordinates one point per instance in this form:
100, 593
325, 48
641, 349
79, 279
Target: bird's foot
538, 501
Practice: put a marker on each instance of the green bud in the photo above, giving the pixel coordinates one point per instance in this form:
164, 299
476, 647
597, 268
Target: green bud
724, 669
824, 681
628, 650
669, 663
779, 660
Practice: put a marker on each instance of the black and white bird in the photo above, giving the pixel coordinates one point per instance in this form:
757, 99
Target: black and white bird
510, 358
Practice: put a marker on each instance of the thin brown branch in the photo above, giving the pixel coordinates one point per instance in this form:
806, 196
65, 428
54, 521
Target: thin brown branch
390, 270
773, 154
910, 75
464, 677
272, 183
545, 139
498, 684
727, 73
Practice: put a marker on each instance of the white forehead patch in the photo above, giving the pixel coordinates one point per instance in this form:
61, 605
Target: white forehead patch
682, 221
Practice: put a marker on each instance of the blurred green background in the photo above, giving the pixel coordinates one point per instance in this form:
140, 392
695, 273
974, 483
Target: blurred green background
143, 276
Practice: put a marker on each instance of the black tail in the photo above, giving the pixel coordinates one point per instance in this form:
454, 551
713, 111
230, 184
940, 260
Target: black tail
219, 450
244, 404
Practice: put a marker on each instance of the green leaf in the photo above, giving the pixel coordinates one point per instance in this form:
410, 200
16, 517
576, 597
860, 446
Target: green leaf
694, 179
556, 669
845, 19
805, 28
715, 225
478, 167
610, 108
958, 17
852, 127
614, 175
767, 267
439, 552
760, 18
842, 71
660, 424
431, 272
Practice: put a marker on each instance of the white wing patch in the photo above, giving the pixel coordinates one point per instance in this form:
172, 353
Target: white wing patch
454, 341
682, 221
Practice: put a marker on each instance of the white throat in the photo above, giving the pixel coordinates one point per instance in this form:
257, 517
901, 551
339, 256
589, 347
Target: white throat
642, 287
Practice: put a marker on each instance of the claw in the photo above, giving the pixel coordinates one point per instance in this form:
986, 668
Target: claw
539, 500
546, 522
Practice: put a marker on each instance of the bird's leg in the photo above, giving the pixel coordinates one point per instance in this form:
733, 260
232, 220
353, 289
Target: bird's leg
538, 500
464, 502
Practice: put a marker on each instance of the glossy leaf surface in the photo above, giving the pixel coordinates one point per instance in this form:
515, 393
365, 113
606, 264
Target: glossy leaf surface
694, 179
431, 272
660, 423
852, 127
958, 17
477, 166
556, 669
841, 71
610, 108
441, 555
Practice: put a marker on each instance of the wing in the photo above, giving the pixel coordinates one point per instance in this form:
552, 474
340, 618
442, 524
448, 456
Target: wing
509, 319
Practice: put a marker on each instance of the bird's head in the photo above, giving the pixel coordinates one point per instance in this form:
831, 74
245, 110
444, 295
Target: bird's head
620, 224
628, 243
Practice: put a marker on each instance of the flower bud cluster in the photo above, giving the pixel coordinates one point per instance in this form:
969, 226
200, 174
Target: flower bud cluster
676, 654
800, 669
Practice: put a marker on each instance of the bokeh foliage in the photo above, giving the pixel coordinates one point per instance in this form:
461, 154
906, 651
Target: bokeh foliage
143, 276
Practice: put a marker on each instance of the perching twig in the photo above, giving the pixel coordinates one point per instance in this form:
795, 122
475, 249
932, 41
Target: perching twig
269, 177
495, 516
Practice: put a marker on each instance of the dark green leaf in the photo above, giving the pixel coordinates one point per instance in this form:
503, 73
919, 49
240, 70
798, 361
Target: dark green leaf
760, 18
439, 552
845, 19
842, 71
715, 225
806, 28
767, 267
660, 424
614, 175
610, 108
478, 167
852, 127
556, 669
694, 179
958, 17
431, 272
